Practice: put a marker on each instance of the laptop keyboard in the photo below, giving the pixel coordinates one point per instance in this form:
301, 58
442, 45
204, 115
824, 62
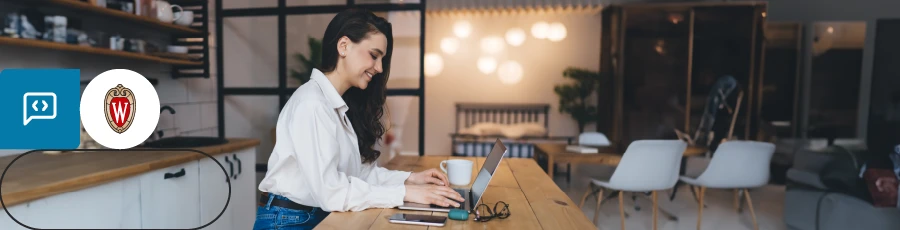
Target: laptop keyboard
462, 192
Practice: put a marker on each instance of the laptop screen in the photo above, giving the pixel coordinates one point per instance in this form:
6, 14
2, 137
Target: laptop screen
487, 171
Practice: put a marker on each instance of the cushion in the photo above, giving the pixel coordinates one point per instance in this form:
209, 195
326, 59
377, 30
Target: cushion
514, 131
533, 129
470, 131
483, 129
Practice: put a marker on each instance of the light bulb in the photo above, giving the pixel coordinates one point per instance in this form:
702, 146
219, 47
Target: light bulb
557, 32
487, 65
515, 36
449, 45
540, 29
510, 72
462, 29
434, 64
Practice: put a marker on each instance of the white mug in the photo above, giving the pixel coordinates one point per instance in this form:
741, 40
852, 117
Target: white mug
185, 18
165, 11
458, 171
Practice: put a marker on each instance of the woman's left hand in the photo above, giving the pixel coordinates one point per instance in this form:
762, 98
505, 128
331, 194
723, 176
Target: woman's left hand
430, 176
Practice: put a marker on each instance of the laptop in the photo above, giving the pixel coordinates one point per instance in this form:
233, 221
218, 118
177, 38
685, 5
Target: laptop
472, 194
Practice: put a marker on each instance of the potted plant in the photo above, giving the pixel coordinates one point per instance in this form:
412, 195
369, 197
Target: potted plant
308, 63
573, 96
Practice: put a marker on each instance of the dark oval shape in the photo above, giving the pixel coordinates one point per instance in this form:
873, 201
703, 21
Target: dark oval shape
227, 201
561, 203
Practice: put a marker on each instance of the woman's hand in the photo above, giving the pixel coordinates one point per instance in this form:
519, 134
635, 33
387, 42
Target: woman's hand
430, 176
432, 194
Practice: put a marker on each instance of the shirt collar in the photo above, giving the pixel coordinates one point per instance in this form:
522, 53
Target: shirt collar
331, 94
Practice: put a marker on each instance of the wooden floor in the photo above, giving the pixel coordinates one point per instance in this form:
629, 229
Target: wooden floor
719, 213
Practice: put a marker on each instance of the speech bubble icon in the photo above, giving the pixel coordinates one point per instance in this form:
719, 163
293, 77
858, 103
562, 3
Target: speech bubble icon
38, 105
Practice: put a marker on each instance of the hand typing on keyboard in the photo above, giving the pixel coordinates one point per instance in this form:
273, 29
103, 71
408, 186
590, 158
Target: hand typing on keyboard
433, 194
430, 176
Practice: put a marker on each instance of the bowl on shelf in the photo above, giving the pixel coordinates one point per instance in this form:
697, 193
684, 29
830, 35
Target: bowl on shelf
177, 49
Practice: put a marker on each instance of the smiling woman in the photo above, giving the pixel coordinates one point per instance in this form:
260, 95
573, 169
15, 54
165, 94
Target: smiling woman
324, 156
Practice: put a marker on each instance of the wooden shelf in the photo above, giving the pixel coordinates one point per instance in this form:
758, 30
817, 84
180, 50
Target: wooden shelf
91, 50
117, 14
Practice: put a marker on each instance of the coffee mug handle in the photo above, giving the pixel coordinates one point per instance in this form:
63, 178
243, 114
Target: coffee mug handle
442, 166
179, 10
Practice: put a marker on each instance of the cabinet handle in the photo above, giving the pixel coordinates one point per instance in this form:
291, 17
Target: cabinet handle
239, 165
174, 175
230, 167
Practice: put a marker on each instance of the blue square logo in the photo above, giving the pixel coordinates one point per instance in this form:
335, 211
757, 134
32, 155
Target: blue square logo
41, 108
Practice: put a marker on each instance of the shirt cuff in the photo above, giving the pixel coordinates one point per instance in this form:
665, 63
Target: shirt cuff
401, 177
391, 195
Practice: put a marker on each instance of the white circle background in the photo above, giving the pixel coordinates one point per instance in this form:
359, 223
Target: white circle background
93, 116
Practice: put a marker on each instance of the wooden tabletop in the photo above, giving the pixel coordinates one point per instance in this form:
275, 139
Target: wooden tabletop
607, 156
535, 202
37, 175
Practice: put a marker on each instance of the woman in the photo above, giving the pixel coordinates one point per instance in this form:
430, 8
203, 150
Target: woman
324, 159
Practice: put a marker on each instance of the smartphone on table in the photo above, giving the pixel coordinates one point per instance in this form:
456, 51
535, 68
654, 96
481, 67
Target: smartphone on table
401, 218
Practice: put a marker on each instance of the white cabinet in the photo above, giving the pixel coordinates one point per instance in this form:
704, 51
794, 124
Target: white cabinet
170, 197
244, 187
178, 197
214, 190
18, 211
113, 205
240, 169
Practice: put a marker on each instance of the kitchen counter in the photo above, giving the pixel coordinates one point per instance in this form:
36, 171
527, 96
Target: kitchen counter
38, 175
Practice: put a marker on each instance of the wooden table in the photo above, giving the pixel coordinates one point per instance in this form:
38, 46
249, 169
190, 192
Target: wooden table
535, 202
557, 153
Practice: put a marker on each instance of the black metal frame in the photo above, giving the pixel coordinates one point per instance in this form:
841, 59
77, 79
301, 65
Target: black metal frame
194, 47
283, 91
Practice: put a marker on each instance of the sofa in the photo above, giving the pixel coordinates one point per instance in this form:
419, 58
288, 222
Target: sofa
811, 205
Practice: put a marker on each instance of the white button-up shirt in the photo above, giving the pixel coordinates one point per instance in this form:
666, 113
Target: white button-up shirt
316, 159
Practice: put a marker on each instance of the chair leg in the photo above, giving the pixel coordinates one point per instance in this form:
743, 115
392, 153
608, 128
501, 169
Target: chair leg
654, 210
700, 207
674, 190
750, 206
586, 194
622, 208
694, 193
599, 202
634, 201
739, 203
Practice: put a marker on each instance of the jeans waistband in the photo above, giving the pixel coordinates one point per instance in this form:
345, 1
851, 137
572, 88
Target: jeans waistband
267, 200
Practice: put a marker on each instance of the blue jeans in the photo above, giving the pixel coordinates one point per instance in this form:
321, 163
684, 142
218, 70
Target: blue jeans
270, 217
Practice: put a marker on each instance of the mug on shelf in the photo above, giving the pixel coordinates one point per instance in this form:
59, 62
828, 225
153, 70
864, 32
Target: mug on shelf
184, 18
165, 12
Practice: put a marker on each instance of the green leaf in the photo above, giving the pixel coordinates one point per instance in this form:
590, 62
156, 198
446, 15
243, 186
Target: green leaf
307, 63
573, 96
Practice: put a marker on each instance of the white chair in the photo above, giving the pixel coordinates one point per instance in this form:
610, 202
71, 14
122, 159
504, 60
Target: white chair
735, 165
593, 139
646, 166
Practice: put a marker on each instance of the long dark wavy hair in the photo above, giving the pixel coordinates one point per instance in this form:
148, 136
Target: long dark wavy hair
366, 107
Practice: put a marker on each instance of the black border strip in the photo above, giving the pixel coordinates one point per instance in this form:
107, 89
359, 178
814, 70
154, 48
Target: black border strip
320, 9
